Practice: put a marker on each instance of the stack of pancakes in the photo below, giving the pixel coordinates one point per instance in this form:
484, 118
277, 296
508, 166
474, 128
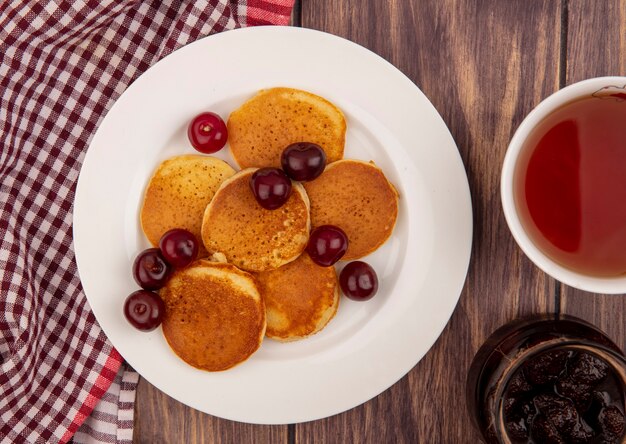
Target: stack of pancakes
252, 279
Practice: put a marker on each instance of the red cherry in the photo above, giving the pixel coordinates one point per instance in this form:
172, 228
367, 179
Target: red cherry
207, 133
358, 281
144, 310
179, 247
271, 187
150, 269
327, 244
303, 161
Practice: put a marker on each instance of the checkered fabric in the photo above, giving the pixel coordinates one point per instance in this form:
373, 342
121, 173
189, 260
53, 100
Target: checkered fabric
63, 63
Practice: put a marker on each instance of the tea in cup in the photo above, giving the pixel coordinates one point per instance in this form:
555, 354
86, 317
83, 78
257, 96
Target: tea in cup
564, 185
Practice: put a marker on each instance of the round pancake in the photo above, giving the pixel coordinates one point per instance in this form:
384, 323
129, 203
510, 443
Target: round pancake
214, 315
248, 235
178, 193
356, 197
265, 125
300, 298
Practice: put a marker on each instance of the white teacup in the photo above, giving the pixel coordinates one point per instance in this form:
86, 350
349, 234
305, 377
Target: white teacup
585, 88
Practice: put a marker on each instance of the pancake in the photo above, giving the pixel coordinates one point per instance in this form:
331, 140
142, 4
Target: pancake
265, 125
356, 197
300, 298
248, 235
214, 315
178, 193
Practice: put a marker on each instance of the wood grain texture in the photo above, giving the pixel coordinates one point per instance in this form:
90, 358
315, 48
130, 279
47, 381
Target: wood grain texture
596, 47
484, 65
160, 419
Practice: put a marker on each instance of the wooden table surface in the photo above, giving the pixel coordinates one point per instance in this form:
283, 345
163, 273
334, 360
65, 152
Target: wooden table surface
484, 64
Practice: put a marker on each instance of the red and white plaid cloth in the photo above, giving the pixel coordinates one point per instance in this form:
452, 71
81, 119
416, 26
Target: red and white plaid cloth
63, 63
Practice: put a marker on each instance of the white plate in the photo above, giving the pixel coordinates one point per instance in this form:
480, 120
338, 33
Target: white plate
368, 346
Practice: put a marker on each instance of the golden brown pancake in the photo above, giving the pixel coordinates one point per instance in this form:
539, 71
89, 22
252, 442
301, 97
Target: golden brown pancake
265, 125
178, 193
214, 315
300, 298
248, 235
356, 197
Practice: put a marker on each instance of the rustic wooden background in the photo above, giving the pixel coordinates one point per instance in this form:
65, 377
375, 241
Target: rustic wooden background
484, 64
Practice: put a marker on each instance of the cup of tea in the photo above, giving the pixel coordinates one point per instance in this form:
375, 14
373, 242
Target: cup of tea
563, 185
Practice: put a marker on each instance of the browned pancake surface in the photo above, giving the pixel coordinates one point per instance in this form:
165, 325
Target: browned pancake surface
300, 298
249, 236
265, 125
178, 193
356, 197
214, 316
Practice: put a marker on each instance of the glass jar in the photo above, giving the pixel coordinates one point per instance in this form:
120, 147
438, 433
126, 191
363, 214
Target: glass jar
515, 348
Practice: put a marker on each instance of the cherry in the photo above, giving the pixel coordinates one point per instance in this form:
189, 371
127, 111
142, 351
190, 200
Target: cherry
358, 281
327, 244
150, 269
303, 161
179, 247
207, 133
144, 310
271, 187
